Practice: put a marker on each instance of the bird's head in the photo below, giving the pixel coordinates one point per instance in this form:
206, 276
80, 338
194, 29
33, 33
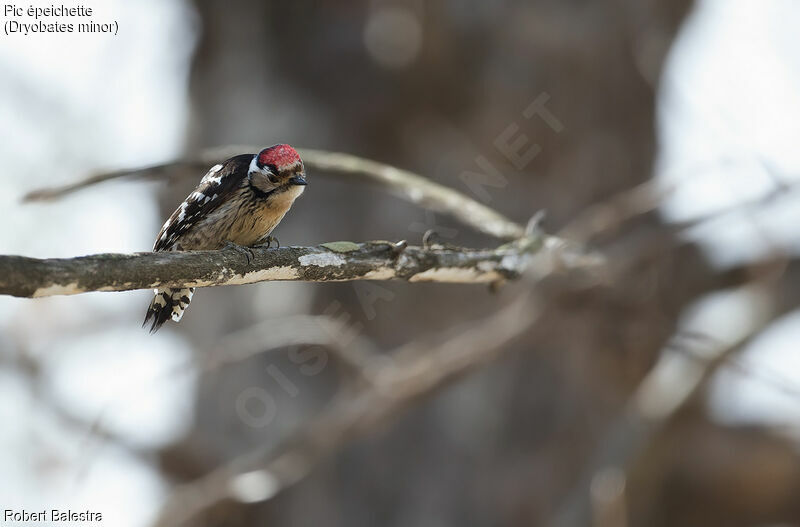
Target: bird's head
277, 167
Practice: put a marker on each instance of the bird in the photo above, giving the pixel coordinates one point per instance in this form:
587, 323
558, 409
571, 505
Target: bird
237, 204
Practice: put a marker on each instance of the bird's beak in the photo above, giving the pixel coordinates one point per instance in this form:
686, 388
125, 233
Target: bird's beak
298, 180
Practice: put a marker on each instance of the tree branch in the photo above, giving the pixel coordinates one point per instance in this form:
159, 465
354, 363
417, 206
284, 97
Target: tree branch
336, 261
262, 473
675, 381
401, 183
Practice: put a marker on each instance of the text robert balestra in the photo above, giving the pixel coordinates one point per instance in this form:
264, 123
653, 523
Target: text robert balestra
51, 515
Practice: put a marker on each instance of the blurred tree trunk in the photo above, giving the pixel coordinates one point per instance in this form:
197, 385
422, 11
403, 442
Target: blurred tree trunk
504, 447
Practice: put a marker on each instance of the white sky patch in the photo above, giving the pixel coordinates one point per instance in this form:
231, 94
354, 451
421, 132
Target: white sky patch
729, 116
90, 102
126, 107
724, 316
78, 474
150, 404
763, 385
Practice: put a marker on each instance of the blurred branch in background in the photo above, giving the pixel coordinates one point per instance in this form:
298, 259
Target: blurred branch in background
358, 353
605, 405
336, 261
401, 183
390, 381
677, 380
407, 374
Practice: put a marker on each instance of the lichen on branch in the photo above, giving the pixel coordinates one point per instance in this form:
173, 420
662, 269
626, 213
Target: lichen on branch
337, 261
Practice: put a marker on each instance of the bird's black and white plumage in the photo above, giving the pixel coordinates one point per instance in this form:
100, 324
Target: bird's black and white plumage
239, 201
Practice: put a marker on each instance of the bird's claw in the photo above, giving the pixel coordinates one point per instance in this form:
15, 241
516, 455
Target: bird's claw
268, 242
247, 252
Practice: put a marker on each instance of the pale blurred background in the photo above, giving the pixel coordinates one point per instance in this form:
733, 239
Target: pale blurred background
99, 414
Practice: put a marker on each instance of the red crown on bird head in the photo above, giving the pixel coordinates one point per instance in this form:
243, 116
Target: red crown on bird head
279, 156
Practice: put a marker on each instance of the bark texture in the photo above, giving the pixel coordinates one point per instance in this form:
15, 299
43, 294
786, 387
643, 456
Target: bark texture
330, 262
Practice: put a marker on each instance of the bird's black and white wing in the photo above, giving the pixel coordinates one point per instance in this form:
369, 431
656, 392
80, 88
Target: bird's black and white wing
213, 190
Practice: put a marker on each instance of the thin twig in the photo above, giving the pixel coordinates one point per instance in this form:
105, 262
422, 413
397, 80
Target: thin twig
402, 183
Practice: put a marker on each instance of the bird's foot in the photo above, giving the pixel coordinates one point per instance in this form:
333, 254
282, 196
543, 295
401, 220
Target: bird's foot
268, 242
247, 252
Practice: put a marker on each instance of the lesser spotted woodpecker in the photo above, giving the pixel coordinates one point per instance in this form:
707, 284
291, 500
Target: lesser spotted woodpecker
239, 201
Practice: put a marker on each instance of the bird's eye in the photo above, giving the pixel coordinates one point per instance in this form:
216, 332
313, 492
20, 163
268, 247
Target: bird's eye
272, 173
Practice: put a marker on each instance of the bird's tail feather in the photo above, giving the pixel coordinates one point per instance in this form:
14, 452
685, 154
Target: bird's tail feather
166, 304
